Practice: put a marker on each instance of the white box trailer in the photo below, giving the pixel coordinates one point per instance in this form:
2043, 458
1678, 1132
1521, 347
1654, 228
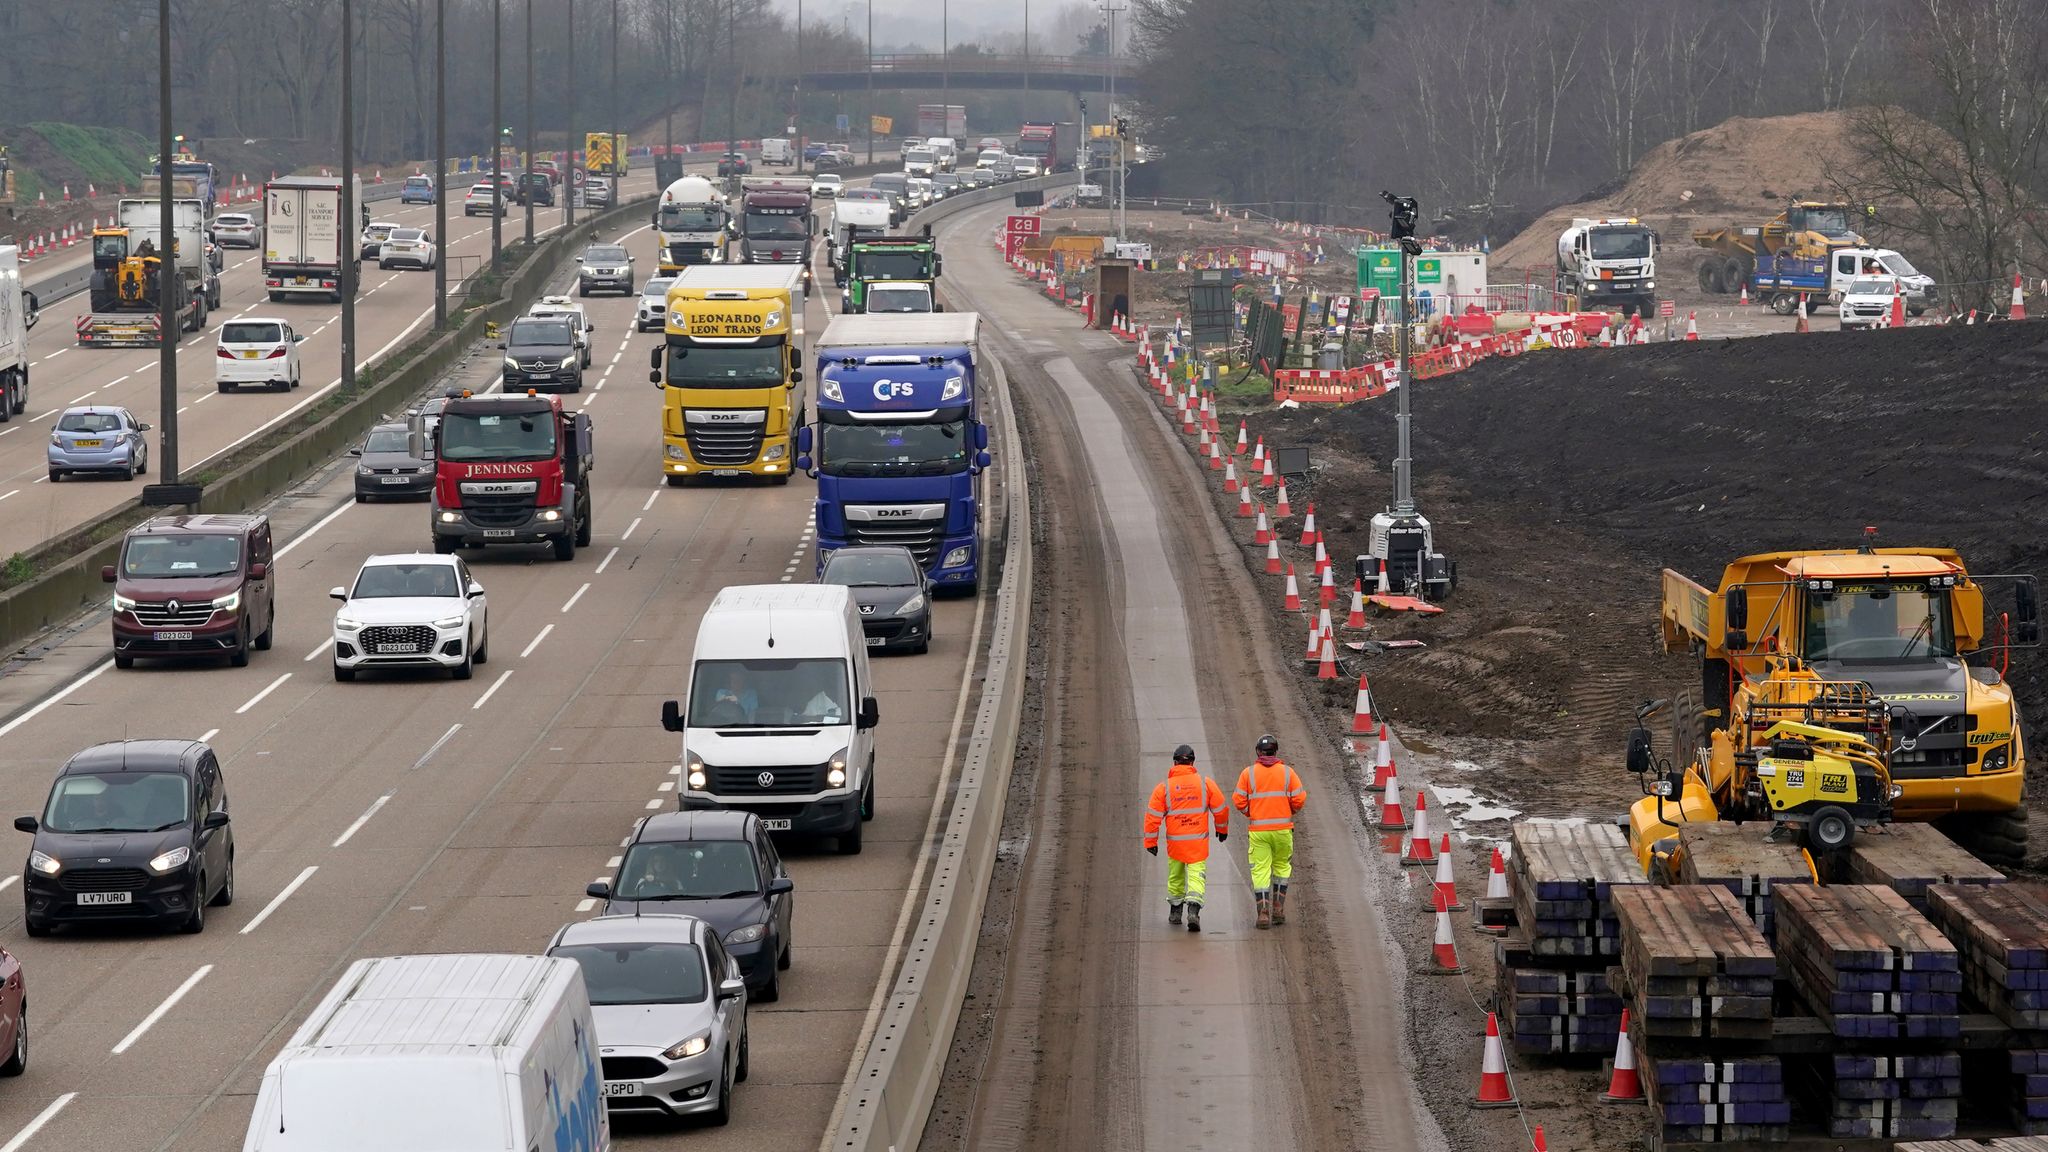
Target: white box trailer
454, 1053
305, 240
17, 316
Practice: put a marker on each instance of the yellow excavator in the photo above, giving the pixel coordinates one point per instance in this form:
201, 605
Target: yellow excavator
125, 292
1835, 640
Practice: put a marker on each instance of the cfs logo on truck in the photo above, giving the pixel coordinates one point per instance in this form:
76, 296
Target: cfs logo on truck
886, 390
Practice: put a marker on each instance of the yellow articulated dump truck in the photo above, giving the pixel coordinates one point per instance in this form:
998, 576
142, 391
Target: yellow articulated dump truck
728, 371
1865, 682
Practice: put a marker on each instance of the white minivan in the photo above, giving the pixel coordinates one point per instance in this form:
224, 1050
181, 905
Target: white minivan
780, 715
946, 151
458, 1053
256, 352
777, 150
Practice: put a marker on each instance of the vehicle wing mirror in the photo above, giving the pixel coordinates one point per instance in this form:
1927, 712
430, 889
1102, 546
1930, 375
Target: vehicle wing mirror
732, 988
938, 264
780, 885
259, 570
579, 259
870, 712
475, 589
803, 438
983, 460
654, 358
214, 820
107, 573
501, 343
1735, 604
598, 889
1639, 759
671, 716
25, 824
355, 451
796, 375
337, 593
981, 436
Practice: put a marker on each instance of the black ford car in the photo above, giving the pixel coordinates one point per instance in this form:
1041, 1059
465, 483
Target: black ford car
133, 830
541, 353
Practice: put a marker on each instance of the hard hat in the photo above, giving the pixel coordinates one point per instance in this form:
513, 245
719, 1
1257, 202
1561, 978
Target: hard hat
1183, 755
1267, 745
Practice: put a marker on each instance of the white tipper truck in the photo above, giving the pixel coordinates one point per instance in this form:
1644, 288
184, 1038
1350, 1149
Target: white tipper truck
17, 316
1609, 264
305, 239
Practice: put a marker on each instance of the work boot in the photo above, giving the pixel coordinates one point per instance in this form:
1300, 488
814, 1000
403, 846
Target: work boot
1173, 913
1194, 917
1279, 906
1265, 919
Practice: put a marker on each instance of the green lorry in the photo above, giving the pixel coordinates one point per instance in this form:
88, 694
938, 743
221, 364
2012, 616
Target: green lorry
887, 258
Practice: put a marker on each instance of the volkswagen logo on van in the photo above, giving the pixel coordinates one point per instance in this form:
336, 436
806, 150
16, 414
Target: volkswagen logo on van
765, 779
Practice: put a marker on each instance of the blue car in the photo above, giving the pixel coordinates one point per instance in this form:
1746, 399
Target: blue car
98, 439
813, 151
417, 190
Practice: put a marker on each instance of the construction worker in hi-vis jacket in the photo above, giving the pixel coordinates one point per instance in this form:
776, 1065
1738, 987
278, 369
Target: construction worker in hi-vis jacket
1269, 793
1184, 805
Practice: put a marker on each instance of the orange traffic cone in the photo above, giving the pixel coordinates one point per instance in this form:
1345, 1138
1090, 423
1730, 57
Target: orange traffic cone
1215, 453
1322, 555
1230, 477
1356, 619
1420, 850
1540, 1145
1446, 888
1240, 449
1308, 526
1625, 1086
1244, 503
1382, 762
1361, 712
1444, 952
1497, 878
1494, 1089
1293, 601
1802, 326
1692, 325
1267, 479
1327, 592
1280, 508
1327, 670
2018, 311
1391, 817
1259, 451
1314, 651
1745, 296
1262, 533
1272, 556
1606, 337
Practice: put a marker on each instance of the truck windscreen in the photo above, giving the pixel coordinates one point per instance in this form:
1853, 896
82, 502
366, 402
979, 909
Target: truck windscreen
692, 217
1878, 621
937, 449
725, 365
497, 436
887, 265
1619, 244
788, 229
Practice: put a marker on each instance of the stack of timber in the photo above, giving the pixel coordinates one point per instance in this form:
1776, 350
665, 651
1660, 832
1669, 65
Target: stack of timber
1915, 1096
2002, 1144
1746, 860
2001, 934
1910, 858
1550, 973
2029, 1069
1700, 1100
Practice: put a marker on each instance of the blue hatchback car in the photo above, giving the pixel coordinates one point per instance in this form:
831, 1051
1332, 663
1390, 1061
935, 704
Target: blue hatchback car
417, 190
98, 439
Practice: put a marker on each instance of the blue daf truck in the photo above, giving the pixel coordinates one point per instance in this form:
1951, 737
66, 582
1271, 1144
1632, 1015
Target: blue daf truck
899, 445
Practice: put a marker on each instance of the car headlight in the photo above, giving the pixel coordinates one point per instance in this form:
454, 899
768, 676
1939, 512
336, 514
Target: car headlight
955, 385
346, 623
175, 858
958, 556
450, 516
56, 441
694, 765
365, 470
773, 318
228, 603
451, 622
694, 1046
676, 452
747, 935
45, 863
835, 770
550, 515
775, 452
569, 361
1649, 283
1997, 759
511, 365
830, 390
123, 603
911, 605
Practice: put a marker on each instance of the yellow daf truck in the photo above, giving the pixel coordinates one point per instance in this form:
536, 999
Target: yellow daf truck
728, 371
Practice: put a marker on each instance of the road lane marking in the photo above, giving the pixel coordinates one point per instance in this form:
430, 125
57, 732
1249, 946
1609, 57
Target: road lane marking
15, 492
613, 862
628, 533
535, 642
54, 698
600, 571
48, 1114
654, 805
493, 689
575, 596
650, 500
583, 905
7, 883
278, 899
356, 827
316, 653
258, 698
209, 734
429, 753
162, 1009
317, 525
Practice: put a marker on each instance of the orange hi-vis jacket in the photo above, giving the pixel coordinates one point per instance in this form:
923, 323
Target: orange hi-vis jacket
1184, 803
1269, 793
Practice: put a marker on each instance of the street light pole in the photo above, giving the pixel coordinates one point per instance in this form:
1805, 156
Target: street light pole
440, 159
167, 264
569, 147
529, 118
796, 113
871, 82
351, 262
618, 154
497, 129
1112, 118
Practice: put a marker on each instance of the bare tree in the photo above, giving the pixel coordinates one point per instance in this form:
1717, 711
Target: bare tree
1840, 28
1622, 78
1761, 18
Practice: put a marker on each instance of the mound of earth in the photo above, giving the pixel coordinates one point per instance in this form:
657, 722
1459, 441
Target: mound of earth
1563, 482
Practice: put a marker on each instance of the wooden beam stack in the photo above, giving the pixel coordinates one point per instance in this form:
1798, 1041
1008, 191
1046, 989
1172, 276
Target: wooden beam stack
1693, 963
1706, 1101
1555, 1011
1562, 877
2003, 1144
1910, 858
2001, 933
1909, 1097
2029, 1089
1745, 860
1868, 964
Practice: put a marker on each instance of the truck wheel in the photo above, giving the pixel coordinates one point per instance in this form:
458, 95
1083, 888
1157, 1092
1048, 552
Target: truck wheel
21, 395
1994, 837
849, 840
1710, 277
1830, 829
585, 528
444, 545
7, 404
565, 546
1688, 731
677, 481
466, 669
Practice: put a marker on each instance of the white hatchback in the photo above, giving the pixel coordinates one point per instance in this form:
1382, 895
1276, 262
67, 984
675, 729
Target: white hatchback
416, 610
827, 185
409, 246
256, 351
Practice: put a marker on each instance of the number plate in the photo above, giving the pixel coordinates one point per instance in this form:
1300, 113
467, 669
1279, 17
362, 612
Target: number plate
397, 649
301, 280
393, 480
251, 354
725, 471
612, 1088
106, 898
499, 533
171, 636
85, 444
874, 641
775, 825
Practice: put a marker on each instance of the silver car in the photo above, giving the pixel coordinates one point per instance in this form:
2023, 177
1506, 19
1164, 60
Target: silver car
652, 314
670, 1008
100, 438
237, 228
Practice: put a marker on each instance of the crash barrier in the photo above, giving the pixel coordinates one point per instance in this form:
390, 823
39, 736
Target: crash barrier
67, 580
1344, 386
892, 1092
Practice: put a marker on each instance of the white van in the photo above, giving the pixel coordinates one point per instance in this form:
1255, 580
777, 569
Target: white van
777, 150
946, 149
781, 711
457, 1053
